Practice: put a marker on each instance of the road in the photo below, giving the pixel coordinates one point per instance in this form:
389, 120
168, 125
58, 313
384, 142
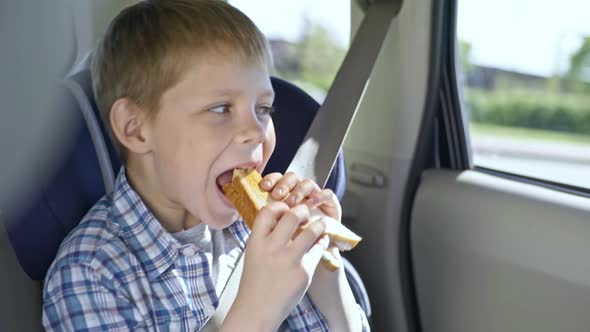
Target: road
555, 161
572, 173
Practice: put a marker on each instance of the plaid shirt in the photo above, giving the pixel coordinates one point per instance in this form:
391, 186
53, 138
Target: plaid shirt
120, 270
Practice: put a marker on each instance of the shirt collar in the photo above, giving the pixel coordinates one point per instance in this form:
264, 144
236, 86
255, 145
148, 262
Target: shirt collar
240, 231
155, 247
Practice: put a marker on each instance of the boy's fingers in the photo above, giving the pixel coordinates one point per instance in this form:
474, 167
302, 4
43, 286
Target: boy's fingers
267, 218
308, 237
325, 196
288, 224
270, 180
302, 190
312, 257
284, 186
327, 201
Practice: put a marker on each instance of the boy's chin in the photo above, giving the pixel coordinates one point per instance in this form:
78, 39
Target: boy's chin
224, 222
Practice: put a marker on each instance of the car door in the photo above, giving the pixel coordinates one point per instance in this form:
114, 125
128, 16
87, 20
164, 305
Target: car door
500, 243
468, 166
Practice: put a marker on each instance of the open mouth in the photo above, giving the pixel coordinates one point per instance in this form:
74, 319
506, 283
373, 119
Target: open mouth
224, 178
227, 176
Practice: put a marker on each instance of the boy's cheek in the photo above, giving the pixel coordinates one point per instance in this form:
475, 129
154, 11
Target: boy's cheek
270, 141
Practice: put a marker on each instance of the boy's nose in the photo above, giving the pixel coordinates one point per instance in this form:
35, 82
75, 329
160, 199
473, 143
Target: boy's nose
251, 129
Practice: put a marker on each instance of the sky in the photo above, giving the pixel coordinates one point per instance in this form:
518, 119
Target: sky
529, 36
284, 18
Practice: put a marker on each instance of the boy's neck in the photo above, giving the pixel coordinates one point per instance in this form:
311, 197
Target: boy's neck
169, 214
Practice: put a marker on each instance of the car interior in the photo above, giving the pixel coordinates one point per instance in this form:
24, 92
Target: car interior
450, 242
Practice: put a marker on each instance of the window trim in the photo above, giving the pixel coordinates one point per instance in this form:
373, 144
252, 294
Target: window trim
558, 186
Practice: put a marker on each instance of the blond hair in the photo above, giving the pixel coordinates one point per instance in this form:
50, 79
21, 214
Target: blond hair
148, 46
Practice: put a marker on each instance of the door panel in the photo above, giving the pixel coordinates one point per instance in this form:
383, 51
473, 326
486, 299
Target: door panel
492, 254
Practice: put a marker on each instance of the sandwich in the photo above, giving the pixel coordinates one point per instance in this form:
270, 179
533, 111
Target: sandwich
246, 196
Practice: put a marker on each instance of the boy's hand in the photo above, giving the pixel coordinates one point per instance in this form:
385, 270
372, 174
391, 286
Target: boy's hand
329, 291
278, 267
290, 189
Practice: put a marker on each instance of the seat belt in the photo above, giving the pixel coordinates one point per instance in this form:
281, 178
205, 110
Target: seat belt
318, 152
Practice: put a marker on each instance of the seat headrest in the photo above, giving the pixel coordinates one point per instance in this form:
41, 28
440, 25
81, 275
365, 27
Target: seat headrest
64, 199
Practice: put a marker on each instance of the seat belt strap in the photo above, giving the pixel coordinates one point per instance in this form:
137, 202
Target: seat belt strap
317, 154
227, 297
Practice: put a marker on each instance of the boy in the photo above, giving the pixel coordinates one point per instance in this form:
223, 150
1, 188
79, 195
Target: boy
184, 88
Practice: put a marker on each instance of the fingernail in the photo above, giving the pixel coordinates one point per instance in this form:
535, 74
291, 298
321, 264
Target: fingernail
319, 225
265, 184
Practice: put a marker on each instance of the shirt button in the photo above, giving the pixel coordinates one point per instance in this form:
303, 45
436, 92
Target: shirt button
188, 251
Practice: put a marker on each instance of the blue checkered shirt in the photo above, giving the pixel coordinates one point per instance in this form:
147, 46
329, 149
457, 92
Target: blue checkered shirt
120, 270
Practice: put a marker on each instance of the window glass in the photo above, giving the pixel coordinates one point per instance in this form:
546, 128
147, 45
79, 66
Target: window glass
525, 77
308, 38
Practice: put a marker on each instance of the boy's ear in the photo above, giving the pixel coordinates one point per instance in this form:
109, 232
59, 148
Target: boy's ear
130, 124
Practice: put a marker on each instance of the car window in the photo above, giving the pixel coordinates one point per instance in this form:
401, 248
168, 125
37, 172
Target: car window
308, 45
525, 79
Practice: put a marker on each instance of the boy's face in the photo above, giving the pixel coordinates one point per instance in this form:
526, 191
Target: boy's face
214, 120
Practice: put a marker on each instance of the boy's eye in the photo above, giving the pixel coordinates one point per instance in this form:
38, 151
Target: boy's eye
220, 109
265, 110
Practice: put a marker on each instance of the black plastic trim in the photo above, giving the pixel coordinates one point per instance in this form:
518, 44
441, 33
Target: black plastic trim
422, 155
462, 138
453, 145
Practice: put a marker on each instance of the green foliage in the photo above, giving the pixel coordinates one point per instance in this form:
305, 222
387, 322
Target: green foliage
465, 56
321, 57
314, 60
530, 109
480, 129
579, 67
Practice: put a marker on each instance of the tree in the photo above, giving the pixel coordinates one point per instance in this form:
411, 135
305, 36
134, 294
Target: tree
579, 72
320, 56
465, 56
313, 61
